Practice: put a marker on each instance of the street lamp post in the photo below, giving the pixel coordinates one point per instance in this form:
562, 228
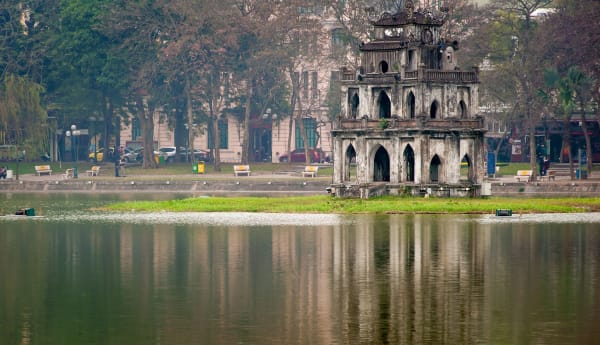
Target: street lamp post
188, 158
74, 133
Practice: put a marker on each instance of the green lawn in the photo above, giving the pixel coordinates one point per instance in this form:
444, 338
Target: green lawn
380, 205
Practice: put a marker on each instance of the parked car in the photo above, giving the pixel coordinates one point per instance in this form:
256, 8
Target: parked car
297, 156
99, 156
168, 152
140, 154
199, 154
129, 155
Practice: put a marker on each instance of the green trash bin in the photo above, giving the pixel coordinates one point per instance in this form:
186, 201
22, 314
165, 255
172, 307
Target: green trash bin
161, 160
194, 169
201, 167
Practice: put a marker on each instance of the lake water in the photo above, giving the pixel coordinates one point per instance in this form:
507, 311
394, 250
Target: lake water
84, 277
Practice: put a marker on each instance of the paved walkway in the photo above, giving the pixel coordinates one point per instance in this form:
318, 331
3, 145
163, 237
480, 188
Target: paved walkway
108, 174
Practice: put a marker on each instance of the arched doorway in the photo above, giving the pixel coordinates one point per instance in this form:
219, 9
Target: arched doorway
433, 111
349, 158
409, 163
385, 105
466, 168
434, 169
410, 105
381, 166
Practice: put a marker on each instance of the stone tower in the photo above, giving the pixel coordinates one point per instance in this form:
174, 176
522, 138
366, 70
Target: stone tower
409, 117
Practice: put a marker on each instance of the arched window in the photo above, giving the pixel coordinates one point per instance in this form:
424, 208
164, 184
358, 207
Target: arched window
433, 111
385, 105
462, 109
410, 105
354, 102
383, 66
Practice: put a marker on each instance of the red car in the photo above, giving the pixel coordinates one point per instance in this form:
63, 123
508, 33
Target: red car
297, 156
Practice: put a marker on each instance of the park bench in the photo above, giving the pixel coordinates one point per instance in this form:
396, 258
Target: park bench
550, 175
241, 170
43, 169
523, 174
94, 171
310, 170
68, 173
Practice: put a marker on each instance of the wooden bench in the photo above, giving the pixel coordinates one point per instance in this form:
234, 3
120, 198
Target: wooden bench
241, 170
43, 169
310, 170
550, 175
68, 173
94, 171
523, 174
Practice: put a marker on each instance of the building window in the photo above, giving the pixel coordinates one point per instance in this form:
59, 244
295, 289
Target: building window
337, 37
136, 130
223, 135
305, 84
410, 105
385, 106
433, 111
411, 65
310, 126
462, 109
383, 66
315, 85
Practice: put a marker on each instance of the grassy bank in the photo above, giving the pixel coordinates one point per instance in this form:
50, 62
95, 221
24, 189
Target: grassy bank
382, 205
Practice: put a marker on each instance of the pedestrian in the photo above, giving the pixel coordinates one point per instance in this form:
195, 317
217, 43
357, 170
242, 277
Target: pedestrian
3, 172
122, 162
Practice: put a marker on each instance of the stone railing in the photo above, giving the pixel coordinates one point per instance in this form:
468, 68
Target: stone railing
450, 76
427, 75
348, 75
411, 74
418, 123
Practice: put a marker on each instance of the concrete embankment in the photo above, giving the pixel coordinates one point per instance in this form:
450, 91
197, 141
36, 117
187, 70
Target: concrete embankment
272, 185
264, 185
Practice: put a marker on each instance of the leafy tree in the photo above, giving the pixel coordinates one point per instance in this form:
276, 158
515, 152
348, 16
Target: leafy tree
140, 29
513, 54
570, 36
24, 30
564, 93
21, 114
85, 77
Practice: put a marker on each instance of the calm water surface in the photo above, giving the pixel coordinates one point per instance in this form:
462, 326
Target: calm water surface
84, 277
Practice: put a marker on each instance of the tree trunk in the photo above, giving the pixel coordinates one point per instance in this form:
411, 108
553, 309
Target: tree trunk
588, 142
216, 144
567, 144
107, 114
293, 101
246, 133
303, 133
532, 146
190, 119
146, 119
